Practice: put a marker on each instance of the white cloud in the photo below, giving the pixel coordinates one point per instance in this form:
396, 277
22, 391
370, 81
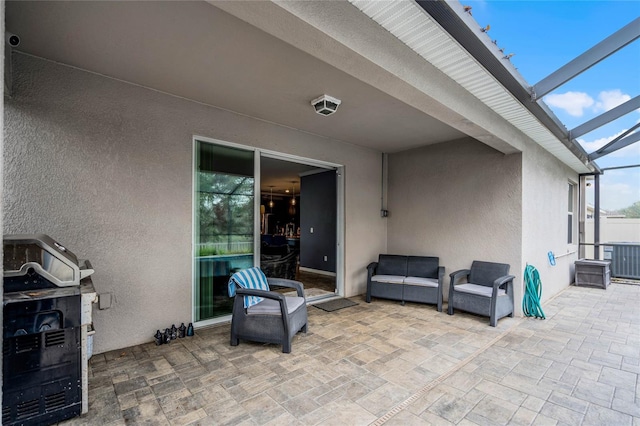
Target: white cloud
630, 151
617, 196
573, 103
591, 146
609, 99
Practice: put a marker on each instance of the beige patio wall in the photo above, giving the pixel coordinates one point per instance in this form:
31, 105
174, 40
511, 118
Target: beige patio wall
459, 201
545, 183
612, 230
105, 167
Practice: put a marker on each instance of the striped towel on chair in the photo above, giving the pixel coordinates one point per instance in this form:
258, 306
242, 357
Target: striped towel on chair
249, 278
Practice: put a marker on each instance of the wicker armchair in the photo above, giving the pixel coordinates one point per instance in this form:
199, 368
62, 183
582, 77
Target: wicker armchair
276, 319
485, 289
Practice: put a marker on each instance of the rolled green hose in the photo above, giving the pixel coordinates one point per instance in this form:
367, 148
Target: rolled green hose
532, 293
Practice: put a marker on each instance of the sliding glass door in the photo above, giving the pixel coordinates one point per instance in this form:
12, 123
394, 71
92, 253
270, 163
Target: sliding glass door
223, 224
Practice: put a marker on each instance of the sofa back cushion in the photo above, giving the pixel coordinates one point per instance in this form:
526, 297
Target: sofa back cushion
422, 266
485, 273
392, 264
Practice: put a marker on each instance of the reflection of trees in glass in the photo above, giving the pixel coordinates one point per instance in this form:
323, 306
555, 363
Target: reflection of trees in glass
225, 209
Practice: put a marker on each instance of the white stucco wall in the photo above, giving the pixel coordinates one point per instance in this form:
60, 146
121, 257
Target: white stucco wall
105, 167
545, 182
460, 201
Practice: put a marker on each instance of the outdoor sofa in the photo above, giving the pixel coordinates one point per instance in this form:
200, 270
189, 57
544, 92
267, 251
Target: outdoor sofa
406, 278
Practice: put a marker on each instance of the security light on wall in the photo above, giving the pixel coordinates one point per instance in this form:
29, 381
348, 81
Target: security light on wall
326, 105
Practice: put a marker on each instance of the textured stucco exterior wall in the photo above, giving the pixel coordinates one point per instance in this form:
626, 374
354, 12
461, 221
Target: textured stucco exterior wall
545, 182
105, 167
1, 156
460, 201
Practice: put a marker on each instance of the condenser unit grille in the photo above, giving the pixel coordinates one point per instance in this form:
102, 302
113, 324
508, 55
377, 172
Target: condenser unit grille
625, 261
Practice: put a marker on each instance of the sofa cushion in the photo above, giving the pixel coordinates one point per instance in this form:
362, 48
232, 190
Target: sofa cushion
480, 290
422, 266
391, 279
419, 281
392, 264
272, 307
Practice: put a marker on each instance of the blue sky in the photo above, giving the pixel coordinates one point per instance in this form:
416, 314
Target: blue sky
545, 35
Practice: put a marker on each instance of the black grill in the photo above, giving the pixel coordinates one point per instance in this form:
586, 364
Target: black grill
41, 336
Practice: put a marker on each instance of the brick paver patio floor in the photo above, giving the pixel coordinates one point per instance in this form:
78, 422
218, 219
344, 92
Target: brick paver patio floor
384, 363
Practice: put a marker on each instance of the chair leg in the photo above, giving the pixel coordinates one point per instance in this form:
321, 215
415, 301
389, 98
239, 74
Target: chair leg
234, 341
286, 346
450, 309
492, 320
304, 328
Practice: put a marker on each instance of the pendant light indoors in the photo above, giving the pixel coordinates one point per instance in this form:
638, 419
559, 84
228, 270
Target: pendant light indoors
293, 196
271, 198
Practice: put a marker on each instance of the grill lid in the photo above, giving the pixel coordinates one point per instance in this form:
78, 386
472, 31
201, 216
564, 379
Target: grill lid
40, 253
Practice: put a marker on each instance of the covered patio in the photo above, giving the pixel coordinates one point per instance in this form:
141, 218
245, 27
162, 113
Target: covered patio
383, 363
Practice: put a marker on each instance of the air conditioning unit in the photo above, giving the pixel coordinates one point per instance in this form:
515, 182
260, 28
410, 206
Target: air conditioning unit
625, 259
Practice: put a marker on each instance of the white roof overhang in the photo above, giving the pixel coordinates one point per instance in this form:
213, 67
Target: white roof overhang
470, 97
413, 24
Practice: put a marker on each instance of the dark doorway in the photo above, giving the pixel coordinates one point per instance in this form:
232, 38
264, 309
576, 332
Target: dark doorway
298, 224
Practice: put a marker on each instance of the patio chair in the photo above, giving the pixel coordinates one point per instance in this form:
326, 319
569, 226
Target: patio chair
261, 315
485, 289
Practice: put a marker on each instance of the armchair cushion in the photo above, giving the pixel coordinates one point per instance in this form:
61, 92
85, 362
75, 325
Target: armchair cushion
272, 307
252, 278
480, 290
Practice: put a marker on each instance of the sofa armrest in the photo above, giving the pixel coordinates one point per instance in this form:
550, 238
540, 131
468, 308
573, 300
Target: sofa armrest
371, 270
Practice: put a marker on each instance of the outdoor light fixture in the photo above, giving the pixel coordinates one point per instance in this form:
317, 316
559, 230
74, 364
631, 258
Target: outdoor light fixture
326, 105
271, 197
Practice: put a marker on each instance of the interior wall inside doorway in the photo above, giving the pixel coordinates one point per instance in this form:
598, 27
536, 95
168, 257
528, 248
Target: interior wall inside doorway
318, 222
